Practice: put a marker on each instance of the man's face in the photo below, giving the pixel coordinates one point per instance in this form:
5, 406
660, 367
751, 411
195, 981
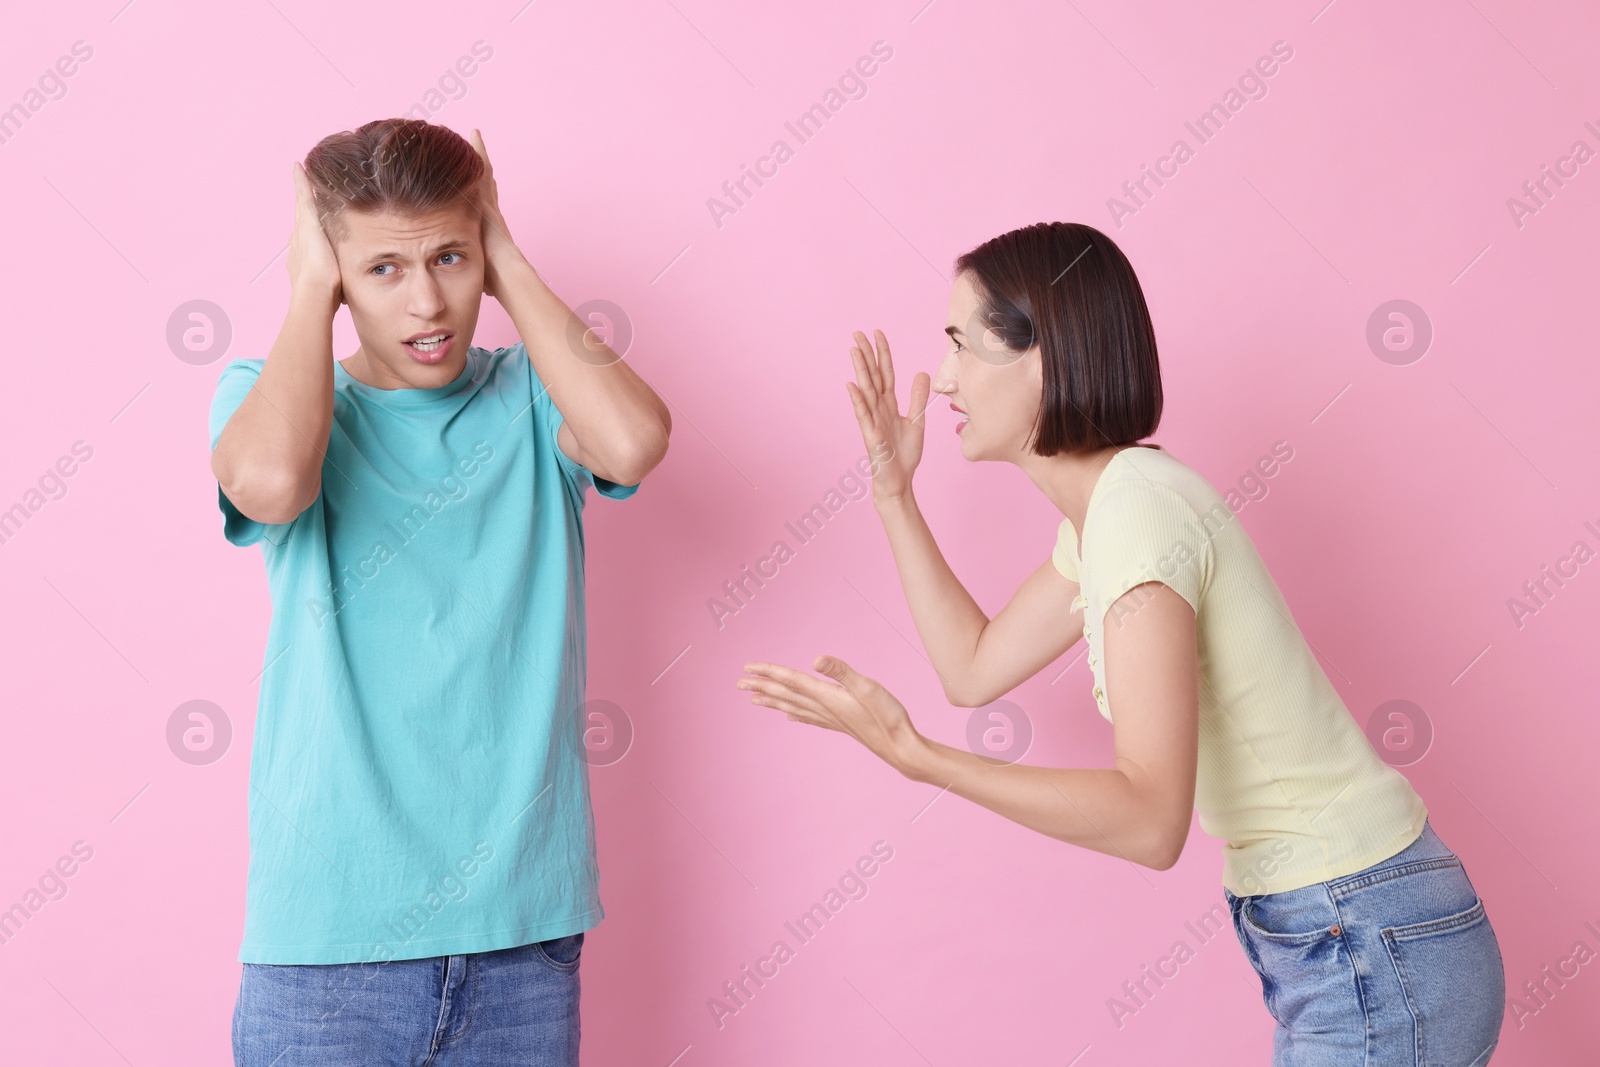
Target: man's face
413, 276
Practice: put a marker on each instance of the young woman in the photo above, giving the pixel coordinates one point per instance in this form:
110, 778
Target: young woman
1372, 946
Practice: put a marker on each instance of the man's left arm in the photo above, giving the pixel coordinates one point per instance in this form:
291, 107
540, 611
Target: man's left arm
612, 422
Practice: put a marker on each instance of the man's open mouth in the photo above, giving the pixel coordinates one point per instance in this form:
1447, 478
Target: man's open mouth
428, 342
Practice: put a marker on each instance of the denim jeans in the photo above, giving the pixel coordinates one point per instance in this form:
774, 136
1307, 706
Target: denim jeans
511, 1006
1393, 966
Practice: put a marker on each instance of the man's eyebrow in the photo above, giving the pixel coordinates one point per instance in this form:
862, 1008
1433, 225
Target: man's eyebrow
381, 257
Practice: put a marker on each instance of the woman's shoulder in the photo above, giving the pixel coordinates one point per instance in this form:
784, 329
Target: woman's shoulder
1147, 476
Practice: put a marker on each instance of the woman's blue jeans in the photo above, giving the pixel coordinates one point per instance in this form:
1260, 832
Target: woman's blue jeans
512, 1006
1393, 966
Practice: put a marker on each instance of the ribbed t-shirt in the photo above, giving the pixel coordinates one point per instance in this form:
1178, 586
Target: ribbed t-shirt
1285, 776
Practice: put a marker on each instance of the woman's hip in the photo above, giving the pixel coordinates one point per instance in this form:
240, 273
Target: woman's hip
1395, 964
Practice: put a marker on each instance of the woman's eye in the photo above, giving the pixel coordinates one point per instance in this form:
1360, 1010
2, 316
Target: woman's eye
958, 344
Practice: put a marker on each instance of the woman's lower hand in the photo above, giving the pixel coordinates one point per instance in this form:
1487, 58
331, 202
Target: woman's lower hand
852, 704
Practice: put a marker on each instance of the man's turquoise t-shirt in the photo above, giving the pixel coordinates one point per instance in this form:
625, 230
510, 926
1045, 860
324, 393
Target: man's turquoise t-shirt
418, 785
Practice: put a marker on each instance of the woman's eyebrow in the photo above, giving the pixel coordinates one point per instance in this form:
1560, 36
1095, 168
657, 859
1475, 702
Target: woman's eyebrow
952, 330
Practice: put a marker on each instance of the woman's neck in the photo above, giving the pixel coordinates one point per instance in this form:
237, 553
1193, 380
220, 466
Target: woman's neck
1067, 479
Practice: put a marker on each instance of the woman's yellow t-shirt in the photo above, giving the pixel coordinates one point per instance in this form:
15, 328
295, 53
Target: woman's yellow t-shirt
1285, 778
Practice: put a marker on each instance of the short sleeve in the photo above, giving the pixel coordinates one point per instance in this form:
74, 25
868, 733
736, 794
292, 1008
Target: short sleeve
1065, 556
1145, 531
237, 379
550, 419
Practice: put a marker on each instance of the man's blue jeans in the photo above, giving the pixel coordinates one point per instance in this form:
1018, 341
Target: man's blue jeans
512, 1006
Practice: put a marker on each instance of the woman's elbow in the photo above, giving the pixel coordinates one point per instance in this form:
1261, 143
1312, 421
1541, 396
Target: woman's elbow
966, 695
1164, 850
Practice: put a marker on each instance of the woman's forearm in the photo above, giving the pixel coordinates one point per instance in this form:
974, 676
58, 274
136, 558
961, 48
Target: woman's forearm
1098, 809
948, 619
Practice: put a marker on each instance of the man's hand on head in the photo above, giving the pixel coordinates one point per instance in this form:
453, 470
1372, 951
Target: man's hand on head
500, 252
312, 262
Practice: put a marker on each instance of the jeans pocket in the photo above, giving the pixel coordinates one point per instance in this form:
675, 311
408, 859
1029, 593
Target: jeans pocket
1454, 983
1308, 979
562, 953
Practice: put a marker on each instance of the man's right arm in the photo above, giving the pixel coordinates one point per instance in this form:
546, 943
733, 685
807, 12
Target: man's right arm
268, 459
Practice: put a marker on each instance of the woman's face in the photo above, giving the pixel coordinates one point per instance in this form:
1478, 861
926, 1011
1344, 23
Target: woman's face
995, 391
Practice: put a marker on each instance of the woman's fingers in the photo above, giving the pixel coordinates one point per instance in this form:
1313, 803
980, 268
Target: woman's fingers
796, 705
793, 711
864, 379
885, 364
921, 384
864, 418
779, 691
870, 357
797, 682
882, 410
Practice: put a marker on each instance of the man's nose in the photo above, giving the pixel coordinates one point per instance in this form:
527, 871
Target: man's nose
424, 297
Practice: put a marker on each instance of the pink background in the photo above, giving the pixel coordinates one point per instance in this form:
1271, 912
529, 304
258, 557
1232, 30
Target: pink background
1419, 499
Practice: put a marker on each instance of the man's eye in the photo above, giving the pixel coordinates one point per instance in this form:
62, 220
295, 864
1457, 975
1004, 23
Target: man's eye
456, 254
379, 267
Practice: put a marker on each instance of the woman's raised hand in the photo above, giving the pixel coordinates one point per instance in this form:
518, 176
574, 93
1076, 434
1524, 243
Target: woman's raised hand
893, 440
312, 262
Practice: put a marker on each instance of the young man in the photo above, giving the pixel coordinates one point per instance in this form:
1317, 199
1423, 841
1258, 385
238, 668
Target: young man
422, 863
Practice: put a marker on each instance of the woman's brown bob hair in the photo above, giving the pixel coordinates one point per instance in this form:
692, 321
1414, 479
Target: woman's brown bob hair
1069, 288
407, 166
